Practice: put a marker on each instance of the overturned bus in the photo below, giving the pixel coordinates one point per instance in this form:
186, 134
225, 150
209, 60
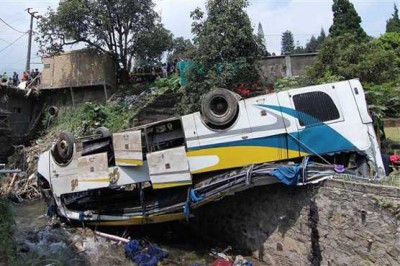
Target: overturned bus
161, 171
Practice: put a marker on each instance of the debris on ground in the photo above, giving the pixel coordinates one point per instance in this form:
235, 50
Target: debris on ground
144, 254
222, 259
23, 185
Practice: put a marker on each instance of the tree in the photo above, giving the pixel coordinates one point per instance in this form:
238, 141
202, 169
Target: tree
226, 50
393, 24
181, 49
261, 40
122, 27
312, 45
226, 33
153, 44
299, 49
374, 62
287, 42
346, 20
321, 38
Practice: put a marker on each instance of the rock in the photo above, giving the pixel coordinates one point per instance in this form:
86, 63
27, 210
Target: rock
394, 252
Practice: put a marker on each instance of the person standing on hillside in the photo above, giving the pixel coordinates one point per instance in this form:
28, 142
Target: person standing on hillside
15, 79
4, 78
25, 76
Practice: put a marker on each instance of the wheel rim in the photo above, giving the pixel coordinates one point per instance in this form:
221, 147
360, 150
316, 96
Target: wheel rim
219, 106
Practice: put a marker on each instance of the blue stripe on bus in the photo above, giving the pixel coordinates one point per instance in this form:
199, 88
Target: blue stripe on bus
318, 138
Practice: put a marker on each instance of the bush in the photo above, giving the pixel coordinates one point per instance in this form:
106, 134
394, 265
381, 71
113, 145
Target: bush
85, 119
7, 244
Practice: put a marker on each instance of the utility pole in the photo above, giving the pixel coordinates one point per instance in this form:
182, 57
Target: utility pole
28, 59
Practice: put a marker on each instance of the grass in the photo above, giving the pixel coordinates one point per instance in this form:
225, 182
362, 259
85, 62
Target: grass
392, 180
391, 206
116, 115
393, 133
86, 118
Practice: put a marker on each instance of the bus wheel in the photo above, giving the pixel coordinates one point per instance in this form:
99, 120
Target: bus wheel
64, 149
103, 132
219, 108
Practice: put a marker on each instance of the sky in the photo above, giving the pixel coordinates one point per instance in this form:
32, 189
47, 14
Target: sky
303, 18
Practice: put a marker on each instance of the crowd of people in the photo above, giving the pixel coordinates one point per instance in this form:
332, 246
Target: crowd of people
32, 78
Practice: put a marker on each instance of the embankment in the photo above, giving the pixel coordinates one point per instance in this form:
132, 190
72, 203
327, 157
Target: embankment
334, 223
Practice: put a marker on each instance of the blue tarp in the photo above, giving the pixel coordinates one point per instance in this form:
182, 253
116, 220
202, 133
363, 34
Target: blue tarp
289, 175
183, 67
149, 256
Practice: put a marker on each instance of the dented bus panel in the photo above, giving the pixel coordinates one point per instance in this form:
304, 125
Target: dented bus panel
157, 172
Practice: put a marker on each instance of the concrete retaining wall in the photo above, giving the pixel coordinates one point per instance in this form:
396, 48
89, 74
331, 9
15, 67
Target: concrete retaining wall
336, 223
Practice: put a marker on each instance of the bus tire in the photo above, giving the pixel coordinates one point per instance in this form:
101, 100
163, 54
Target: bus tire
64, 148
103, 132
52, 111
219, 108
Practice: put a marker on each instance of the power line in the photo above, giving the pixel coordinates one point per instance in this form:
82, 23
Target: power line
13, 42
11, 26
1, 39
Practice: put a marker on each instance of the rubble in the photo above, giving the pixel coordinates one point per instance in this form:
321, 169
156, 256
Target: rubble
24, 186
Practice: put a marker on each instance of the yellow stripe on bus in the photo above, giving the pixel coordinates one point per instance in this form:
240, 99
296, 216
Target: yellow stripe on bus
134, 162
170, 184
238, 156
95, 180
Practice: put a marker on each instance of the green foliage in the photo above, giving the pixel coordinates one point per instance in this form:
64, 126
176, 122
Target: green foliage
85, 119
153, 44
197, 85
337, 56
163, 85
384, 98
287, 42
226, 50
7, 243
115, 116
312, 46
373, 62
262, 47
346, 21
388, 204
120, 26
389, 41
393, 24
225, 34
321, 38
299, 49
287, 83
181, 49
376, 63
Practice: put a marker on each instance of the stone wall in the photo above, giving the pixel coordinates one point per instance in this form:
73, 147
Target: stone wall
274, 67
23, 110
335, 223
